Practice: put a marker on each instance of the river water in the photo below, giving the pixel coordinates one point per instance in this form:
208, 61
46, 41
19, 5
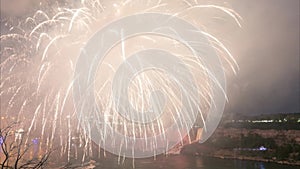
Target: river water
186, 162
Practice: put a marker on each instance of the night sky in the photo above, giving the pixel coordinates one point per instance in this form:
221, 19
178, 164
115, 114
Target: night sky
266, 49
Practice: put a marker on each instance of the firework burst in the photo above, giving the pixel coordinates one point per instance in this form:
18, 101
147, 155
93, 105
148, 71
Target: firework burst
39, 57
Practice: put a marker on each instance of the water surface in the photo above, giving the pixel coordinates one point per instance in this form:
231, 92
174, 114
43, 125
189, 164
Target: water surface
187, 162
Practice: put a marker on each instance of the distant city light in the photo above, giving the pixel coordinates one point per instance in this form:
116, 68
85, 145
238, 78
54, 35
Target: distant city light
35, 141
18, 134
262, 148
1, 140
263, 121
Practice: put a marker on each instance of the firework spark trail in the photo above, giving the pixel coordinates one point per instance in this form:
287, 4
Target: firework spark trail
228, 11
55, 119
32, 122
74, 26
44, 119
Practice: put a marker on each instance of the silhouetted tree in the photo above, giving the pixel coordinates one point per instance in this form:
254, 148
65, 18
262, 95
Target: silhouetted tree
15, 151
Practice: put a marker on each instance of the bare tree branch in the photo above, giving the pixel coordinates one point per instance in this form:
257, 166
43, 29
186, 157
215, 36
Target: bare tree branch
15, 151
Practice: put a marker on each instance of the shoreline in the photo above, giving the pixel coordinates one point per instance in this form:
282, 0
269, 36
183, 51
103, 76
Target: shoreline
253, 159
223, 145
